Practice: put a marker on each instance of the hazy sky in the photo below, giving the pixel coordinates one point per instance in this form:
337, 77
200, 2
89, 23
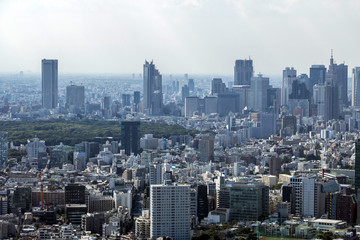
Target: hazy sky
181, 36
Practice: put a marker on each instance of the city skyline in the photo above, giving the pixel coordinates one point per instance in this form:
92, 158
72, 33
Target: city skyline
183, 37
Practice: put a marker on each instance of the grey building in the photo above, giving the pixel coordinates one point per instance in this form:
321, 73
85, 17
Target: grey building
243, 72
152, 87
75, 96
259, 87
355, 91
49, 83
3, 147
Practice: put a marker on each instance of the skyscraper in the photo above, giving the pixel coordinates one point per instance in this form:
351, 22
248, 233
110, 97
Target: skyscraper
206, 147
130, 137
184, 92
217, 86
49, 83
337, 76
243, 71
355, 101
152, 87
289, 76
125, 99
75, 96
3, 147
170, 211
318, 74
259, 87
357, 166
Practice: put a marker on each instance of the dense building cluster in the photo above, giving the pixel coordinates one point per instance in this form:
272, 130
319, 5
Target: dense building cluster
282, 162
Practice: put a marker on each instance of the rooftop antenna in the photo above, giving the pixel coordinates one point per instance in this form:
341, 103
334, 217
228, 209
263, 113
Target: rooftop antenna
332, 57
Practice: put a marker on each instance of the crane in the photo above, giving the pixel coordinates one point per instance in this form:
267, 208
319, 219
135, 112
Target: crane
41, 177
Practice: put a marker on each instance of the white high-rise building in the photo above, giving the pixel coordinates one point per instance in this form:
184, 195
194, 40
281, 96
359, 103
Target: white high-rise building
49, 83
191, 106
170, 211
34, 147
289, 76
259, 86
355, 92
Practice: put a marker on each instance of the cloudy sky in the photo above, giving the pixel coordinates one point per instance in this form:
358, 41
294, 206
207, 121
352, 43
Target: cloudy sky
181, 36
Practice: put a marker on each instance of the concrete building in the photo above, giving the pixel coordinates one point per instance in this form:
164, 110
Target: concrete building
259, 86
75, 96
249, 202
130, 137
49, 83
355, 91
289, 76
152, 89
243, 72
3, 147
170, 211
191, 106
206, 148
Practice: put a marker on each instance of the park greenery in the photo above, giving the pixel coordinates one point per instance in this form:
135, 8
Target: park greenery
71, 132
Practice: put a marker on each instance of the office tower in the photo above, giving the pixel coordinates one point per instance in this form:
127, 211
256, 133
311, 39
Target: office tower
298, 102
337, 76
93, 222
249, 202
49, 83
191, 84
357, 167
193, 202
106, 103
75, 96
170, 211
264, 126
259, 87
206, 147
202, 202
136, 97
244, 92
325, 98
125, 99
228, 102
355, 91
34, 147
22, 198
289, 76
155, 174
217, 86
130, 137
308, 197
79, 161
243, 72
318, 74
74, 194
191, 106
184, 92
275, 166
3, 147
288, 126
152, 84
210, 104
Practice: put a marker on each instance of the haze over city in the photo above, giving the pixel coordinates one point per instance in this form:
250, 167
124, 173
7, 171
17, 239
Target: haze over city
190, 36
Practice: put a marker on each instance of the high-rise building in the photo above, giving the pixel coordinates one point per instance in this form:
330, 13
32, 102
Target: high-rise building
243, 72
274, 166
3, 147
337, 76
49, 83
259, 87
74, 194
22, 198
355, 91
125, 100
326, 101
191, 84
136, 97
228, 102
318, 74
249, 202
289, 76
191, 106
170, 211
184, 92
206, 147
202, 202
217, 86
130, 137
357, 166
75, 96
152, 87
106, 102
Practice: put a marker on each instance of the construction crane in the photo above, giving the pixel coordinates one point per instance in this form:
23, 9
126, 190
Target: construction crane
41, 177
